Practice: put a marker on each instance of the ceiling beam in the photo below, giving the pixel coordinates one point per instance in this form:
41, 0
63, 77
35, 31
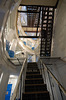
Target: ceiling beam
29, 11
37, 5
56, 3
38, 21
31, 31
29, 36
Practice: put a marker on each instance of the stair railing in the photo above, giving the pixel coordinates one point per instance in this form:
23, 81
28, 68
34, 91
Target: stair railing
19, 89
61, 88
45, 76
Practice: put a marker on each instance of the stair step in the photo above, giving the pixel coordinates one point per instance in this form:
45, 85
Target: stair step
38, 92
42, 95
33, 76
32, 64
34, 81
37, 72
28, 68
32, 70
35, 88
34, 84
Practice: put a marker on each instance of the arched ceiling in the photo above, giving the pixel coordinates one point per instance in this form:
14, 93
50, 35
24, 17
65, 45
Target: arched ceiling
40, 2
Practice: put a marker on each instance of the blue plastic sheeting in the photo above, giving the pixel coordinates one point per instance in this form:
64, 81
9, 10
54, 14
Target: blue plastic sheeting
34, 38
36, 58
26, 32
32, 48
8, 92
18, 32
11, 53
24, 43
7, 46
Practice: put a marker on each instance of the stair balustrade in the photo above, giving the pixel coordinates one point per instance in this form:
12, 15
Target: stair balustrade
19, 89
50, 79
39, 83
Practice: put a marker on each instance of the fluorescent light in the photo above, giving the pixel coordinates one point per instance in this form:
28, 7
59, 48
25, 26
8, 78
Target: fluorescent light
18, 52
1, 77
21, 38
20, 43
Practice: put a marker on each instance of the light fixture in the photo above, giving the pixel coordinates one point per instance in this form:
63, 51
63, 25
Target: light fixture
18, 52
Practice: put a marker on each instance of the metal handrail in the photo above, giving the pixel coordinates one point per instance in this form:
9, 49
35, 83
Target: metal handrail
16, 88
59, 84
16, 59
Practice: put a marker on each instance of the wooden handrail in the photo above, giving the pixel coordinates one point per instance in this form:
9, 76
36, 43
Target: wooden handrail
18, 81
61, 87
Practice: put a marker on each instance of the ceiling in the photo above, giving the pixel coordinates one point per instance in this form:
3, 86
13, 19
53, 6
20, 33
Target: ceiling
40, 2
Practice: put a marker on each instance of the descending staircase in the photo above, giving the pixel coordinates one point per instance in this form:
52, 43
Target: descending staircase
35, 89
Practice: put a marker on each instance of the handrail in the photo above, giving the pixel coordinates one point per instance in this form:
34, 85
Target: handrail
62, 88
10, 60
15, 91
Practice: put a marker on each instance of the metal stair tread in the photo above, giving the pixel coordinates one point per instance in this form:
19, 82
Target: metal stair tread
34, 79
38, 92
32, 74
34, 84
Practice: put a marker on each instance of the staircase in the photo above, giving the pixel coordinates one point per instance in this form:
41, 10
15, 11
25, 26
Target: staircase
35, 89
46, 30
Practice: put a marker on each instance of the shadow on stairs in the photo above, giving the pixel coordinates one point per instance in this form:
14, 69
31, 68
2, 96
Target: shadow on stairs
35, 89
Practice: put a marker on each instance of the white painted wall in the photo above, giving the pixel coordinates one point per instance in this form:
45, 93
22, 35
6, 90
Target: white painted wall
59, 45
34, 58
39, 2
